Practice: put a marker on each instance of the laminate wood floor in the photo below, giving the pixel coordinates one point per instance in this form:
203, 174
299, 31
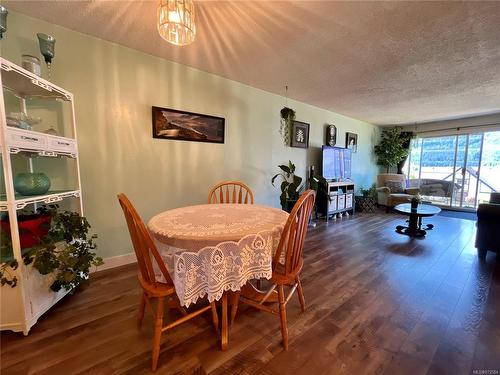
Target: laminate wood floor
377, 302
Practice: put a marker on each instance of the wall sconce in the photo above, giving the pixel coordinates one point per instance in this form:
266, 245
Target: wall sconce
3, 20
47, 45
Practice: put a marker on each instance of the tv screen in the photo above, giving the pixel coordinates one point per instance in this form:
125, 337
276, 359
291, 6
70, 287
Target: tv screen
336, 163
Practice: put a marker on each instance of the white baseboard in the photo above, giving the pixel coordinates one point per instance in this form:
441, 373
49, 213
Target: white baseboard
116, 261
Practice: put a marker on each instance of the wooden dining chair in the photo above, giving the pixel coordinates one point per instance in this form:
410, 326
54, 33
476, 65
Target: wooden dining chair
152, 290
287, 273
230, 192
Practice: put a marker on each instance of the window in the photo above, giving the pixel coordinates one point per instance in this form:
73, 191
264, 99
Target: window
457, 170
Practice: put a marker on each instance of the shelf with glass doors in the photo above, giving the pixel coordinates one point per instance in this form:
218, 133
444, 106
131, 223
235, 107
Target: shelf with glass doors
39, 168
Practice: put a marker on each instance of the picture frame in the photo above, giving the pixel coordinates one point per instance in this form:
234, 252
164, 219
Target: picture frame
351, 141
331, 135
300, 134
180, 125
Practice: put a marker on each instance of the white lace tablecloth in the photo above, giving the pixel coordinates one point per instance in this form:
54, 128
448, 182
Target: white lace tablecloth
211, 248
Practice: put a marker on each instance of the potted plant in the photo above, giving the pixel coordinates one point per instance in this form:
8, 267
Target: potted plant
290, 186
287, 119
415, 201
366, 202
66, 249
393, 147
8, 265
33, 226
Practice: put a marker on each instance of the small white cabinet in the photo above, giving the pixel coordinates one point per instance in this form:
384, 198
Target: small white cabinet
46, 106
337, 200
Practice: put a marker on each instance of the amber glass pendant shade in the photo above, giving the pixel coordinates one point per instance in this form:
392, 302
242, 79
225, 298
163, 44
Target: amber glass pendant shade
176, 21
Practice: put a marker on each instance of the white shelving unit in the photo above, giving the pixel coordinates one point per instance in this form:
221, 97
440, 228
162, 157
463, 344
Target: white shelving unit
340, 199
22, 305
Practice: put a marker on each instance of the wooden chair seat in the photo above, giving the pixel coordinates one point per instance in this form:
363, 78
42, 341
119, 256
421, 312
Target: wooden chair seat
287, 274
154, 293
160, 290
281, 277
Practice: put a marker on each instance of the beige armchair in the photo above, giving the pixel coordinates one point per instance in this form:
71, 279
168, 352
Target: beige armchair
388, 199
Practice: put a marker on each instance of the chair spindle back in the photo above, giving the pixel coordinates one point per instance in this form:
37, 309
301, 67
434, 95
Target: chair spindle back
294, 233
143, 244
230, 192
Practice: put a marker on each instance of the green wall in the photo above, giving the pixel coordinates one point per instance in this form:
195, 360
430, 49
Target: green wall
114, 90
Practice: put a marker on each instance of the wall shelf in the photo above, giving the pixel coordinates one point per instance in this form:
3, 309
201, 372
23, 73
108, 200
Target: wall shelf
20, 140
26, 84
51, 197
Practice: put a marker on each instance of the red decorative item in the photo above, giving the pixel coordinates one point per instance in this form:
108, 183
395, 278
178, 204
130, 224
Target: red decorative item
32, 229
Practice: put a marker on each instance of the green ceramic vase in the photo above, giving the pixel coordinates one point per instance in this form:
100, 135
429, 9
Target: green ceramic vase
31, 183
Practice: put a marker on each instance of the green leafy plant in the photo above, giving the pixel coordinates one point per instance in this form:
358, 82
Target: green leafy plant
8, 266
392, 149
370, 192
7, 275
287, 119
67, 250
290, 186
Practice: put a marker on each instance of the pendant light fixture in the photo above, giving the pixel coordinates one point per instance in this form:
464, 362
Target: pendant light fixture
176, 21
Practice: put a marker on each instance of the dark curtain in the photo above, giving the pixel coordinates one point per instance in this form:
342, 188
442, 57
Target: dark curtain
407, 136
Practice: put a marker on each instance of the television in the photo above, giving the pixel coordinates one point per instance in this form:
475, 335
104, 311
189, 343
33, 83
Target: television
336, 163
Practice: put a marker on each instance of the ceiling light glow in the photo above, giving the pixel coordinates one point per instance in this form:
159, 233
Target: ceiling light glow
176, 21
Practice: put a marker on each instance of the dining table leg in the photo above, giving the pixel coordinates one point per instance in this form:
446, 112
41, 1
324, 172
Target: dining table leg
224, 328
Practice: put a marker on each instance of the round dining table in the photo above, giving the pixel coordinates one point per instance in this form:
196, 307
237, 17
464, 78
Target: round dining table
211, 249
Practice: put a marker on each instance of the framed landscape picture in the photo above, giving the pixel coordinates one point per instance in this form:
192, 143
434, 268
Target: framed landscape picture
351, 141
187, 126
300, 134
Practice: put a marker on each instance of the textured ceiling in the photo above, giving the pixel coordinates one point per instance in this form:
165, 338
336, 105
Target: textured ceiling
382, 62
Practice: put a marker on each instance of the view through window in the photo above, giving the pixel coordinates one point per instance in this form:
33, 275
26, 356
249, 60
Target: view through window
456, 171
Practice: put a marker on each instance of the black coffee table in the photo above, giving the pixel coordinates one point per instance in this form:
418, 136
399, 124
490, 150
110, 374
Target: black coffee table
414, 228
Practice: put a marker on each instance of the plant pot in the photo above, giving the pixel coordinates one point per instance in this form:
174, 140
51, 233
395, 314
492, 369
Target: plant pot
32, 228
365, 204
31, 183
289, 205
